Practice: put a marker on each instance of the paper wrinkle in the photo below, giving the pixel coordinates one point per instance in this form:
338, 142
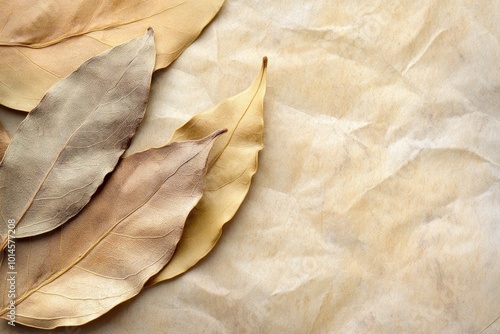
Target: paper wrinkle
421, 53
375, 208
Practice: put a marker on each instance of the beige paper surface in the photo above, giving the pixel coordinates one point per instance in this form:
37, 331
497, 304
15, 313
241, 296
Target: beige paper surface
377, 202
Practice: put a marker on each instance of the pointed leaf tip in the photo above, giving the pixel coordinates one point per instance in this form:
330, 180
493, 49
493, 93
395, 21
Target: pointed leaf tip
219, 132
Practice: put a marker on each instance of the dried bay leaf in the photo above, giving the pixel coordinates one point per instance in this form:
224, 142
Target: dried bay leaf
73, 138
42, 42
232, 163
105, 254
4, 141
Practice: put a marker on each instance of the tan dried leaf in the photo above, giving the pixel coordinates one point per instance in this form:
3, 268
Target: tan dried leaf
126, 234
42, 42
64, 148
232, 163
4, 141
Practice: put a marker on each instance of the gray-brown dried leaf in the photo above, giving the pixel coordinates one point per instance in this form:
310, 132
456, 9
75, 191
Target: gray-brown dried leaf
73, 138
126, 234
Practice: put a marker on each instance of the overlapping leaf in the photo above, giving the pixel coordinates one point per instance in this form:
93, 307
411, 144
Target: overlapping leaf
232, 163
41, 42
73, 138
126, 234
129, 231
4, 141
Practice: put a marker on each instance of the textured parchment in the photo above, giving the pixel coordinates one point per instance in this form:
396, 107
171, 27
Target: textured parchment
377, 201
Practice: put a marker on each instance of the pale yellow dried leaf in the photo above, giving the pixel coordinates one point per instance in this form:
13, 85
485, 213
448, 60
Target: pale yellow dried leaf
42, 42
126, 234
64, 148
4, 141
232, 163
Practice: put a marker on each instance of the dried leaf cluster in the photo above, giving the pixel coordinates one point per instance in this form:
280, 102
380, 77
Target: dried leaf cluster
92, 228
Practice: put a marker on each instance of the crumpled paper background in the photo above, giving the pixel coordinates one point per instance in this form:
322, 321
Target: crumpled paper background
377, 202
